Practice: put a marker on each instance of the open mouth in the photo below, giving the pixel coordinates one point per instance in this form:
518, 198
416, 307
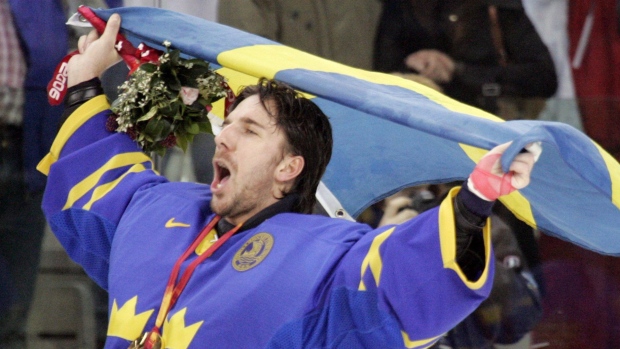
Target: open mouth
222, 174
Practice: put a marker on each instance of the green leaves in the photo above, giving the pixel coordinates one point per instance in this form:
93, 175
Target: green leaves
149, 103
157, 129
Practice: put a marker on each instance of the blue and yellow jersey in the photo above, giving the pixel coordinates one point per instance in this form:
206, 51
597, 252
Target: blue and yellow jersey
294, 281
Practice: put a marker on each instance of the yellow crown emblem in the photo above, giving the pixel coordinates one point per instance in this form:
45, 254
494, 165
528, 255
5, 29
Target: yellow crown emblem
125, 323
176, 335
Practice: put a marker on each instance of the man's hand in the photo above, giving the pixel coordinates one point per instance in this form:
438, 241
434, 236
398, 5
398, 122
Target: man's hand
96, 54
432, 64
489, 182
397, 210
419, 79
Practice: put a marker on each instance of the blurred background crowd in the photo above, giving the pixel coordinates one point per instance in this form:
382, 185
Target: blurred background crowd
550, 60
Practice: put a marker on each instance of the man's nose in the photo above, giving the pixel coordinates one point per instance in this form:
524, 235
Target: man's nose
224, 138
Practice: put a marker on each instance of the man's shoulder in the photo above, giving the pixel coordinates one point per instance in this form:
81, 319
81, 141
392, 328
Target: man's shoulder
317, 218
320, 225
180, 190
310, 234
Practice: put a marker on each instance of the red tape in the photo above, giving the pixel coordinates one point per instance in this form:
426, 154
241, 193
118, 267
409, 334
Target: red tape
488, 184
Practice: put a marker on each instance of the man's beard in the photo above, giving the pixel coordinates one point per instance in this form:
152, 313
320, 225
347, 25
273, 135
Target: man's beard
254, 194
238, 205
234, 209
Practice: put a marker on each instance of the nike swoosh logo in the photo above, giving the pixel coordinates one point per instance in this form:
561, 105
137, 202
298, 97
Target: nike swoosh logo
172, 224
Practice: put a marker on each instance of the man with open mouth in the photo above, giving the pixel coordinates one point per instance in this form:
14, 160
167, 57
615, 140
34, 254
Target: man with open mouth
243, 263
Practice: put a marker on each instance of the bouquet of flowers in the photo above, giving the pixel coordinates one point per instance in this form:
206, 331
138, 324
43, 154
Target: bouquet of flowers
166, 100
165, 103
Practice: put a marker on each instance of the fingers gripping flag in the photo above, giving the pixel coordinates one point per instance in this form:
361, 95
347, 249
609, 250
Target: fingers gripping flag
391, 133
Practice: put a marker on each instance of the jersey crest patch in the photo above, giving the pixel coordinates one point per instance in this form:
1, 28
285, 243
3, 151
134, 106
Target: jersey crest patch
254, 251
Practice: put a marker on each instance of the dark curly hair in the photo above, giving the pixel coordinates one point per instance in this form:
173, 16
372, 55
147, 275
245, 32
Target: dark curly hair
307, 130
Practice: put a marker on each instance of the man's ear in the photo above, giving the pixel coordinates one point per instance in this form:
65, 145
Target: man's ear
289, 168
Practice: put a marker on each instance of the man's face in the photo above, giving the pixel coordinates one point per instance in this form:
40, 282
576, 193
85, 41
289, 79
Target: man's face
248, 157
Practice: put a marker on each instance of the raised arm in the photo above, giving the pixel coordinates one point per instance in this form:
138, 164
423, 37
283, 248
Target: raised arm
427, 274
93, 173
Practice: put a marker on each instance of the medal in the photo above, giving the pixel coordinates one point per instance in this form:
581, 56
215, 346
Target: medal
140, 342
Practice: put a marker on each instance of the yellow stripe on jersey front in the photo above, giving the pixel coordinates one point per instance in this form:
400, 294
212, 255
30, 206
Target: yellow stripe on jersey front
72, 124
447, 238
88, 183
373, 259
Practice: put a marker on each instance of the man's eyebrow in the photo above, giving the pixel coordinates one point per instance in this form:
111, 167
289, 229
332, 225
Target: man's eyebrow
247, 120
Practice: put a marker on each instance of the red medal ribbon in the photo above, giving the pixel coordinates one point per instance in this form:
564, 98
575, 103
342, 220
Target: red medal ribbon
229, 99
173, 291
57, 87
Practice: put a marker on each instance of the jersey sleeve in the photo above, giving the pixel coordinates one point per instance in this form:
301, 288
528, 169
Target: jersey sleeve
92, 176
410, 273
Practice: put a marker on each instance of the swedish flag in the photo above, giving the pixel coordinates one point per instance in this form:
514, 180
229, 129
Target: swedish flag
391, 133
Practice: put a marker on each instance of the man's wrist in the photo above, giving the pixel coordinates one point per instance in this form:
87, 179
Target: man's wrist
83, 92
478, 208
79, 75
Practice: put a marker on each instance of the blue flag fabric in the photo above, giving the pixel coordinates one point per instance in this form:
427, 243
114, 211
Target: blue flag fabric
391, 133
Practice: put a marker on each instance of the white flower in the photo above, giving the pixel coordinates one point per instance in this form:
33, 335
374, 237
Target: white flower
189, 95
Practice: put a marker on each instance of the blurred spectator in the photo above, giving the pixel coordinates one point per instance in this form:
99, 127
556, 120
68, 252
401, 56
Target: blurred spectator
28, 126
206, 9
32, 43
582, 309
485, 53
12, 72
514, 306
594, 34
339, 30
550, 18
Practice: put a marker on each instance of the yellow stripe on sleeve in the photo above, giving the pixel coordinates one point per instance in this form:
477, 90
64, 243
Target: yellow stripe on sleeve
425, 343
103, 189
447, 238
373, 258
120, 160
75, 120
